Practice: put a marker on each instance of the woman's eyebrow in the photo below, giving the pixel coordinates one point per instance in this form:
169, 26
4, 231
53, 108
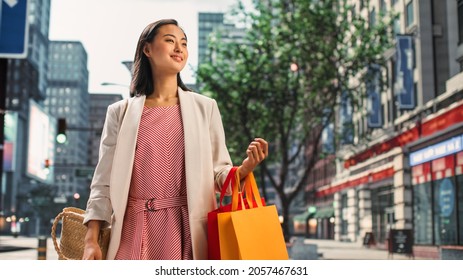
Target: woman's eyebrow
171, 35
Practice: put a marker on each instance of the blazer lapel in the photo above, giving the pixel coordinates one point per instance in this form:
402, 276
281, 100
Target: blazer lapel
190, 131
125, 152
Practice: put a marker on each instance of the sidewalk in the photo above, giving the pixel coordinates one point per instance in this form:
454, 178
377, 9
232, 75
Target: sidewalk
336, 250
25, 248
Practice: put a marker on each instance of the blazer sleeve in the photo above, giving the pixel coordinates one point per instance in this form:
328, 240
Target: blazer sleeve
221, 157
99, 203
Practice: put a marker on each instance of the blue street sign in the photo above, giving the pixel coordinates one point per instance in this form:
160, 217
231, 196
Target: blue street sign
404, 85
14, 28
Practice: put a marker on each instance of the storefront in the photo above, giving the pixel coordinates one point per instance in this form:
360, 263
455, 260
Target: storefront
325, 223
363, 202
437, 184
436, 163
412, 181
317, 222
382, 209
301, 225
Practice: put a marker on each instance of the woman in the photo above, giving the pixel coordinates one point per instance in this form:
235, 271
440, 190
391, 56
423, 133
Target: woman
162, 158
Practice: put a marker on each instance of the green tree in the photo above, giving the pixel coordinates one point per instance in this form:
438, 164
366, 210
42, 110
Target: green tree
284, 80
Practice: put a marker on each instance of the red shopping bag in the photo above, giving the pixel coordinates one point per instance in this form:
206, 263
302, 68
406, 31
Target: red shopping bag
213, 245
213, 242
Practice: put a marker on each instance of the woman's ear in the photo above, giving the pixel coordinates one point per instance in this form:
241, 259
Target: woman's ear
146, 50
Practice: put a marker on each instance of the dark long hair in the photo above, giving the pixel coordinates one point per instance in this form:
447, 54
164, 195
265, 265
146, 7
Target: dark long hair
142, 78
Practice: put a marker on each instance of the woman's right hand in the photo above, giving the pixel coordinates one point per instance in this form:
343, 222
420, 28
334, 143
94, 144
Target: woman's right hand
92, 250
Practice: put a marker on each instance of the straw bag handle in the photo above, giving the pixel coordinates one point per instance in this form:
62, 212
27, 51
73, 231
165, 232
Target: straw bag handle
70, 211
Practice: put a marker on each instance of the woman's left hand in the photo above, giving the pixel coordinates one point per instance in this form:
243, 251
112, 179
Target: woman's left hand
257, 151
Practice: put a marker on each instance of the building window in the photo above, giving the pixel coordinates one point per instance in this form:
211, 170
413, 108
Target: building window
397, 26
382, 7
422, 204
410, 15
438, 201
459, 179
372, 17
344, 214
445, 214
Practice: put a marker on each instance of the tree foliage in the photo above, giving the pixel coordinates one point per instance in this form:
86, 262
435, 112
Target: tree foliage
283, 81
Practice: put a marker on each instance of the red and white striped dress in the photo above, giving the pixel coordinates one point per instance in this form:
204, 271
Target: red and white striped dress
158, 175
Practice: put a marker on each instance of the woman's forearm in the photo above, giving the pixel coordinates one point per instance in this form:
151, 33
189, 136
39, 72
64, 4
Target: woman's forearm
93, 231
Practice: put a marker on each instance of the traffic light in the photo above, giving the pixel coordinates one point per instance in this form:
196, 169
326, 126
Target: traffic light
61, 134
46, 166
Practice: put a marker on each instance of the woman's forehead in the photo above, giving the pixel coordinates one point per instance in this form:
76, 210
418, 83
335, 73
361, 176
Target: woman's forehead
172, 29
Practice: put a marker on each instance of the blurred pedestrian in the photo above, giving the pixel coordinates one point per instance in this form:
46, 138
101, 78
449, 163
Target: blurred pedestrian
162, 159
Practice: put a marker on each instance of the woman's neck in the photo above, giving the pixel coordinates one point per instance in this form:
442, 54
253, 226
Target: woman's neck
165, 88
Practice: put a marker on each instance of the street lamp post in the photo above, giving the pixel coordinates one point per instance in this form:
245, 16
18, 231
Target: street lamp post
114, 84
129, 65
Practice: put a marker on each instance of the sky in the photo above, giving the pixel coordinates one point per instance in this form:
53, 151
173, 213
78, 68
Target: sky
109, 31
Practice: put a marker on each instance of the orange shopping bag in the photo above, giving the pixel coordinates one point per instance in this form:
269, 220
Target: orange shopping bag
213, 248
252, 233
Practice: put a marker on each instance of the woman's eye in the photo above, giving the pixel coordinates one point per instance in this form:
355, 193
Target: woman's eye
170, 40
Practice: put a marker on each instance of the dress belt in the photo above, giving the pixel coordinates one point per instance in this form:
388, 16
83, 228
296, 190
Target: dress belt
154, 204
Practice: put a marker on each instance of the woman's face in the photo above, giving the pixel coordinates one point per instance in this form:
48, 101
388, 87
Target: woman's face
168, 51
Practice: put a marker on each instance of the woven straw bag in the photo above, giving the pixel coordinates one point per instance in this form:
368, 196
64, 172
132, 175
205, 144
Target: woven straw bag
73, 231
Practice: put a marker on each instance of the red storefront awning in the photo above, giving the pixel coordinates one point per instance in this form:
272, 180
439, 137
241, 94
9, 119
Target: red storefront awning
367, 178
426, 128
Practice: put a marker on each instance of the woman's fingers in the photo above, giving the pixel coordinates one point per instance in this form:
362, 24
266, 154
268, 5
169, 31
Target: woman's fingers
258, 149
263, 147
256, 152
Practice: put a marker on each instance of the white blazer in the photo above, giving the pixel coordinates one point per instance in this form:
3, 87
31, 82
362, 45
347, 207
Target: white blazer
207, 163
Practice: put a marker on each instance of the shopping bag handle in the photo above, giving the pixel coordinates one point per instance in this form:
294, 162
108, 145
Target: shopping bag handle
251, 191
231, 179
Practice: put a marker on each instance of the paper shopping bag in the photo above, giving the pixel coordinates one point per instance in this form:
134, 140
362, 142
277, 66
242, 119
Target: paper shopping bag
233, 181
227, 238
213, 244
258, 234
253, 232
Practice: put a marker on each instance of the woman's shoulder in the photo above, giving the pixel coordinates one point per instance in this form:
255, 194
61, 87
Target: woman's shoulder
118, 103
199, 97
119, 107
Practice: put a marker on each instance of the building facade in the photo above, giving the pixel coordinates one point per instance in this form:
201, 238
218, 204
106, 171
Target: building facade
207, 23
99, 103
211, 25
68, 99
407, 175
25, 92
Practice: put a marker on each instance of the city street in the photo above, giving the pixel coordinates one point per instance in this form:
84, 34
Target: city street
25, 248
350, 113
